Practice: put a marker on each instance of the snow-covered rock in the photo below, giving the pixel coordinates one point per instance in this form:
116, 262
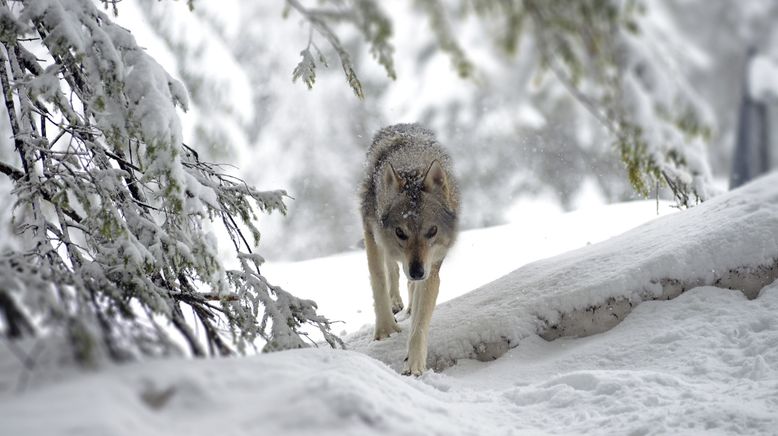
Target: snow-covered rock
727, 241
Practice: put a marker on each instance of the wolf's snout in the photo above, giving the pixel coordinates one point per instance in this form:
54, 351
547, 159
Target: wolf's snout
416, 270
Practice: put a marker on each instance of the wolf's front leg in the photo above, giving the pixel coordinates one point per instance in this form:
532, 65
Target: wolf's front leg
393, 275
385, 324
411, 287
424, 296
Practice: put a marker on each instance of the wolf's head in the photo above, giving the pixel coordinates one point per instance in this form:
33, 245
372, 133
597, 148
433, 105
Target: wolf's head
418, 222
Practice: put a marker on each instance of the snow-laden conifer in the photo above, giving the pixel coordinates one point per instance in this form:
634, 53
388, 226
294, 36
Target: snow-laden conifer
115, 215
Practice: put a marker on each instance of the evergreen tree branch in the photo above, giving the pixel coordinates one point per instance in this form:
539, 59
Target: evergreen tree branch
321, 26
123, 233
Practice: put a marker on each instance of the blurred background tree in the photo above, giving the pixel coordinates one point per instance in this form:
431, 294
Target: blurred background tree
569, 101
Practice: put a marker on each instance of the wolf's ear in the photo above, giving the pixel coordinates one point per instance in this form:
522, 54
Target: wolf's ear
393, 183
435, 178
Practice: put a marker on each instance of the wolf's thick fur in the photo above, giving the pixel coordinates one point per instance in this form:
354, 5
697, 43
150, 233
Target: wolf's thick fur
410, 203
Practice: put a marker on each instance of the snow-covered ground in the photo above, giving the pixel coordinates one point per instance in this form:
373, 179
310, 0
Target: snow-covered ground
703, 363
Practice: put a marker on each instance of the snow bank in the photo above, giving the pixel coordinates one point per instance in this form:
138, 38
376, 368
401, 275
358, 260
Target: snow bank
722, 241
340, 284
702, 363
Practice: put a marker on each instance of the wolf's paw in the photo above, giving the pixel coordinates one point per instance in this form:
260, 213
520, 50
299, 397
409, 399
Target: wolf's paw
397, 306
383, 332
414, 367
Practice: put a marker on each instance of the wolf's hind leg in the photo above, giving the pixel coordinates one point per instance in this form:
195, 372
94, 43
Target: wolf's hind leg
424, 296
385, 324
393, 275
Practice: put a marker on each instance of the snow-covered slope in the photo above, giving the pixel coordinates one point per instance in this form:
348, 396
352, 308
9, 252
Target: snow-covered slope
591, 289
341, 287
704, 363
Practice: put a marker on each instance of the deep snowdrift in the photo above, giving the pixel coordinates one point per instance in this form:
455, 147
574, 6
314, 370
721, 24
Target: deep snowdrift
702, 363
723, 241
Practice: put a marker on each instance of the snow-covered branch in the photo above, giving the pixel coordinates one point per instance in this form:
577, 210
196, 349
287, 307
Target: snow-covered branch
630, 86
608, 55
114, 211
366, 17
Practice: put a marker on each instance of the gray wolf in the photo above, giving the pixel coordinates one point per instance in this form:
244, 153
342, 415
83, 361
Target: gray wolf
409, 206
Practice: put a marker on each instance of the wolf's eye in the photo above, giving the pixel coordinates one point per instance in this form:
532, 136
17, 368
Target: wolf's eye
432, 232
400, 234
